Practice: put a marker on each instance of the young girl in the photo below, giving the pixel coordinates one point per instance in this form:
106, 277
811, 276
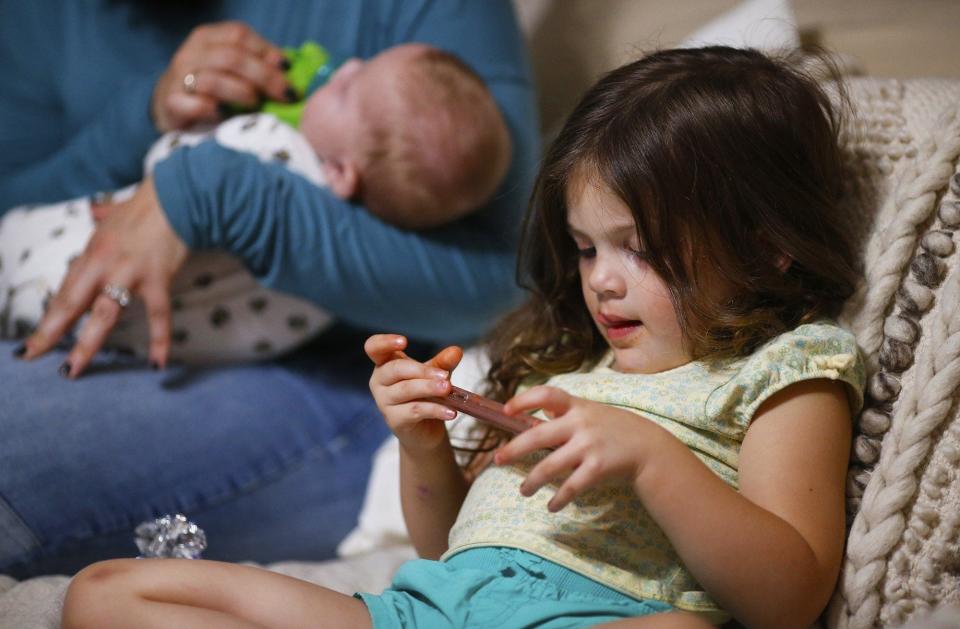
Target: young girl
683, 252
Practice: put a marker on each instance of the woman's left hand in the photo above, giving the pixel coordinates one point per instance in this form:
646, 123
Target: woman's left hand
133, 250
592, 443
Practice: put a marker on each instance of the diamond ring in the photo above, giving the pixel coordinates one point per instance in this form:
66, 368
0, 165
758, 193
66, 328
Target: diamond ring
117, 293
190, 82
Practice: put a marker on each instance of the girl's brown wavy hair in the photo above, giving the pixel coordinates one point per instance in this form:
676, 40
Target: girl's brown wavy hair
730, 164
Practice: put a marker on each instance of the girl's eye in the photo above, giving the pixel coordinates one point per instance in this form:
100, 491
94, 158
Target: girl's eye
586, 252
637, 254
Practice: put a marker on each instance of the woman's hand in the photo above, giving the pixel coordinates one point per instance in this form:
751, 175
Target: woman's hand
399, 385
227, 62
592, 443
132, 248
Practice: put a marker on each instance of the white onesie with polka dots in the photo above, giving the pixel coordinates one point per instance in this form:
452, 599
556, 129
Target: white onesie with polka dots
220, 312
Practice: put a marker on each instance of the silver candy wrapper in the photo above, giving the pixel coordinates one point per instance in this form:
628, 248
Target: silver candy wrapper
170, 536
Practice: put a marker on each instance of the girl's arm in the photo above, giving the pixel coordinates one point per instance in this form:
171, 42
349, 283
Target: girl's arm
432, 484
769, 554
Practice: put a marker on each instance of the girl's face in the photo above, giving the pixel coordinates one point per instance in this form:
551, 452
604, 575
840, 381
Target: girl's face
629, 303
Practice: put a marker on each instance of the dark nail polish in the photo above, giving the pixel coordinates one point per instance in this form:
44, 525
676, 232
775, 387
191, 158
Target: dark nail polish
64, 369
224, 110
20, 351
284, 64
154, 365
290, 94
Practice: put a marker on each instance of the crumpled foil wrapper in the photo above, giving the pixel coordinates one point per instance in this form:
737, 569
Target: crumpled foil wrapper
170, 536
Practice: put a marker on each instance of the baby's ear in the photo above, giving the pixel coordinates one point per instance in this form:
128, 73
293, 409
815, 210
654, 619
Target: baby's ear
343, 177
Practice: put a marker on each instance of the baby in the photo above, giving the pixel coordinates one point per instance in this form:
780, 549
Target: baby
413, 134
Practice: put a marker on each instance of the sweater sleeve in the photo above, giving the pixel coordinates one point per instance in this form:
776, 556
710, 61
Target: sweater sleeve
106, 154
446, 284
45, 154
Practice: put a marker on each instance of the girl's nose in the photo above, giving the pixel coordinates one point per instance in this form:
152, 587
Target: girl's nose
606, 277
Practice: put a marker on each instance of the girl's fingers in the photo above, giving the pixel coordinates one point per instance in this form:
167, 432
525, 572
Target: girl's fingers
552, 400
583, 478
447, 359
409, 390
555, 465
543, 436
415, 412
381, 348
400, 369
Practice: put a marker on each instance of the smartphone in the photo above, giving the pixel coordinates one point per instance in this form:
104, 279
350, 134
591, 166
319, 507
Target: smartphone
486, 410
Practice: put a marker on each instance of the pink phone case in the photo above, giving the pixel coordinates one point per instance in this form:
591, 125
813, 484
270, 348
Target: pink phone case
486, 410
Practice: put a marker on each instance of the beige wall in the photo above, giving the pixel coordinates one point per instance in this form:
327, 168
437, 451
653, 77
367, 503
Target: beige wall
573, 41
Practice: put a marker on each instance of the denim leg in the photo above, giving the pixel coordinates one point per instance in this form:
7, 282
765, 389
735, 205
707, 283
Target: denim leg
270, 459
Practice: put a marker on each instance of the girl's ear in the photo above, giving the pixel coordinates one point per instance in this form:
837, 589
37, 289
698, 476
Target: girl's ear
783, 262
343, 177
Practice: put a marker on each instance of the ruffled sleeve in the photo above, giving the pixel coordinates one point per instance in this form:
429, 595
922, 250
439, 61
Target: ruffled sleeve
809, 352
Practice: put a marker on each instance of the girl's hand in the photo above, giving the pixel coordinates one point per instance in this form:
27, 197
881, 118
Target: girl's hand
592, 443
227, 62
399, 385
133, 247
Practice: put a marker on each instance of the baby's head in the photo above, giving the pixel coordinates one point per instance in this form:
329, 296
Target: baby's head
722, 167
413, 133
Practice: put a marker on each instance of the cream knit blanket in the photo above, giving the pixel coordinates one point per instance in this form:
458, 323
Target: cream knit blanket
903, 550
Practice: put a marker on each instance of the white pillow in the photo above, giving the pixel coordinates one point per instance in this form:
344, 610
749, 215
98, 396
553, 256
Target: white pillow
767, 25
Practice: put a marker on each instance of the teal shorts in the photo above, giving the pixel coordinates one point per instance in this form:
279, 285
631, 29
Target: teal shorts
501, 588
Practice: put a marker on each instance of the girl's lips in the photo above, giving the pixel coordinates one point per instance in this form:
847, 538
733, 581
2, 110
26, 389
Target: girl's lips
616, 327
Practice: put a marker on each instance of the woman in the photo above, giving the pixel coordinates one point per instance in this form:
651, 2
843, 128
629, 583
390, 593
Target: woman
271, 459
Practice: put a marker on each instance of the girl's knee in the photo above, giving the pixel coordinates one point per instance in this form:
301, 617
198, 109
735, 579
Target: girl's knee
93, 591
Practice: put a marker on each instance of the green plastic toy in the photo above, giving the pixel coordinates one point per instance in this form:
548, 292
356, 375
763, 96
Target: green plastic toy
311, 65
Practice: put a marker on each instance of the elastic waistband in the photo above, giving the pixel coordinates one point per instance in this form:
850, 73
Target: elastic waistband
498, 558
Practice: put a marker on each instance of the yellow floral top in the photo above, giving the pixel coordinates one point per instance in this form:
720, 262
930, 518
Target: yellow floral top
605, 534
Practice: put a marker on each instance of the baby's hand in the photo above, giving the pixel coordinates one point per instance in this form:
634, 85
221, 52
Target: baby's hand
592, 443
399, 385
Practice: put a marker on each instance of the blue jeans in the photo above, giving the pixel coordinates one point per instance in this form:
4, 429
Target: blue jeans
270, 459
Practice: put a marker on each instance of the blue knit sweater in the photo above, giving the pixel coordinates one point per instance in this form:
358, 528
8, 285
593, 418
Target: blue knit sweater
75, 88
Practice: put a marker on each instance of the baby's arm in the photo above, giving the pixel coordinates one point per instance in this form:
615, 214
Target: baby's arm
432, 484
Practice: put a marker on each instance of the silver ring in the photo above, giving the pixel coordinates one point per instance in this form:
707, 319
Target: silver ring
190, 82
118, 294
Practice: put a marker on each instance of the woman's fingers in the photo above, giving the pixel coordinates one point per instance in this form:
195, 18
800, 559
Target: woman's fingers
235, 34
253, 72
226, 62
156, 300
133, 250
213, 86
92, 334
79, 288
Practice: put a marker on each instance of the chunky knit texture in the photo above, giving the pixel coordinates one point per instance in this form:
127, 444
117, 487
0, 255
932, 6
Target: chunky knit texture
903, 551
